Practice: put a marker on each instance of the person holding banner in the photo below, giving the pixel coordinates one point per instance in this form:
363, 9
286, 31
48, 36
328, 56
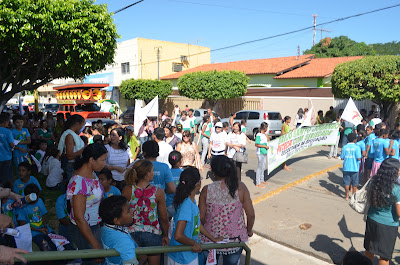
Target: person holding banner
334, 148
284, 130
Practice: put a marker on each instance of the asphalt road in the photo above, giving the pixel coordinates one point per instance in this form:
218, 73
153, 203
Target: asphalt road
312, 193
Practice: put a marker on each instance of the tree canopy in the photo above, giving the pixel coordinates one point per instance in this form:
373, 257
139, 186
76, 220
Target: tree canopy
339, 47
44, 40
389, 48
213, 85
374, 77
145, 89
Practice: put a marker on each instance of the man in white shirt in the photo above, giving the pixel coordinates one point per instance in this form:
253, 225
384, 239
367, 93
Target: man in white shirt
165, 148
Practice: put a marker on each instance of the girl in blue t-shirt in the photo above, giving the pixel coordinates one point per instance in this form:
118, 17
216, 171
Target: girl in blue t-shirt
25, 178
187, 225
106, 178
174, 159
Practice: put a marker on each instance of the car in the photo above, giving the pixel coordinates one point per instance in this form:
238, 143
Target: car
107, 123
51, 107
87, 111
127, 116
255, 117
199, 114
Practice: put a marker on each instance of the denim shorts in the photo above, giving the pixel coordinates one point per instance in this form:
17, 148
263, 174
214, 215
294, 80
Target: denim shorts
146, 239
350, 178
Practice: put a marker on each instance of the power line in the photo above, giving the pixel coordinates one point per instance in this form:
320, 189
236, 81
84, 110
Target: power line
122, 9
277, 35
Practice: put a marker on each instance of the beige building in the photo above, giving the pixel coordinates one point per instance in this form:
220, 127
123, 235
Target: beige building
138, 58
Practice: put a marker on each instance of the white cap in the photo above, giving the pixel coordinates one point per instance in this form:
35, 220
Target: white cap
218, 124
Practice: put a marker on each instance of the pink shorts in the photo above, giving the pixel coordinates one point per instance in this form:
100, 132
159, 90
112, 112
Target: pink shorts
375, 167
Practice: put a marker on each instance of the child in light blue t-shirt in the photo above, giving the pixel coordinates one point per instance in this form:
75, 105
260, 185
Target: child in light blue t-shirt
351, 156
117, 216
174, 159
25, 178
22, 135
105, 178
187, 225
395, 135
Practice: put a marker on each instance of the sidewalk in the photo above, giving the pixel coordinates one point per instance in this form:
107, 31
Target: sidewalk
264, 251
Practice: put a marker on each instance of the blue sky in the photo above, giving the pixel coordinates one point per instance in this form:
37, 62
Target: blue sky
220, 23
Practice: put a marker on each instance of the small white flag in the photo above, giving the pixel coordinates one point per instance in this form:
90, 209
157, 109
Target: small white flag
351, 113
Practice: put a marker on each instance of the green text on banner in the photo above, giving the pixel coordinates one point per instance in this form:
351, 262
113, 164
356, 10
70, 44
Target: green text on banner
286, 146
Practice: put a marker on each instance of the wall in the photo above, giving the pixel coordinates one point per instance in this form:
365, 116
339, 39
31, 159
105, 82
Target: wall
268, 79
223, 107
169, 52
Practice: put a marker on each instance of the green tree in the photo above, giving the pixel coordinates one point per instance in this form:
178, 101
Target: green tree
213, 85
145, 89
389, 48
339, 47
48, 39
374, 77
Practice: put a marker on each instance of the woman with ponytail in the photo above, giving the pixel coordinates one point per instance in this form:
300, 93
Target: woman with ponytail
221, 206
187, 225
150, 220
85, 193
71, 145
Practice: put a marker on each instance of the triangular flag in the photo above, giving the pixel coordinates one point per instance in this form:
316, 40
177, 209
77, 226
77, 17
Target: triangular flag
351, 113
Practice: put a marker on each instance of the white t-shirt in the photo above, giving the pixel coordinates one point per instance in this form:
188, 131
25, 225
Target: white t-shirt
54, 172
218, 141
185, 124
236, 139
119, 158
163, 153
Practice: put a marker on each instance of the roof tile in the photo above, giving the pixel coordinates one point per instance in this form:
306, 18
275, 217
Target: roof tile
317, 67
250, 67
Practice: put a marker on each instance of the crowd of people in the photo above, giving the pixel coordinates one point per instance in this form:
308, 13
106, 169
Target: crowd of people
121, 191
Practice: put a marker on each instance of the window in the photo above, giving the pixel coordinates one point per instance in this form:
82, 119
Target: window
88, 107
254, 115
125, 68
197, 113
61, 108
241, 115
177, 67
274, 116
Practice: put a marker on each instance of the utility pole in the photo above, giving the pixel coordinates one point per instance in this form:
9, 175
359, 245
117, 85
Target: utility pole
298, 52
314, 28
158, 51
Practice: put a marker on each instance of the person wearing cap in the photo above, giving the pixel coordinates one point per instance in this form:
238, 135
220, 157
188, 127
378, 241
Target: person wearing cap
131, 140
217, 141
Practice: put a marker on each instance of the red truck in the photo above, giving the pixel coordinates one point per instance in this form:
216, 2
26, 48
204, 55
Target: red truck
80, 99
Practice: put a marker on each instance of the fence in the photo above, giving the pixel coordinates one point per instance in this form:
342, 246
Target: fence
102, 253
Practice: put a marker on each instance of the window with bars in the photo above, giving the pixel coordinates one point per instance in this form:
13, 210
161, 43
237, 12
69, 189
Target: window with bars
125, 68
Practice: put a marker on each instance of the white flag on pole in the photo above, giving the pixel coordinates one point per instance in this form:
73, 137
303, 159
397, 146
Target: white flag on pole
351, 113
141, 113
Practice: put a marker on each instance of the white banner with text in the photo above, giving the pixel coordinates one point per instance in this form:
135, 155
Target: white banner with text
292, 143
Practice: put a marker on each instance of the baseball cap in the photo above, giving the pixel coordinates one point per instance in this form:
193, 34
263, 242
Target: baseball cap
129, 128
218, 124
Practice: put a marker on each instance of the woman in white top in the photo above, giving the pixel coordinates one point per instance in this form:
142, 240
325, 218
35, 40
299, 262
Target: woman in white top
299, 117
217, 141
236, 142
71, 145
118, 156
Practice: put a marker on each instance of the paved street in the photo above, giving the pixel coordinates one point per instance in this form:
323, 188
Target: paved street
310, 194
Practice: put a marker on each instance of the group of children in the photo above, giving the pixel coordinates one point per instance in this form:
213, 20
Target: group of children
365, 152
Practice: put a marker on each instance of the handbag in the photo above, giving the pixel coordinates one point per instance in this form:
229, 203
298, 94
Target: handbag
240, 157
358, 201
